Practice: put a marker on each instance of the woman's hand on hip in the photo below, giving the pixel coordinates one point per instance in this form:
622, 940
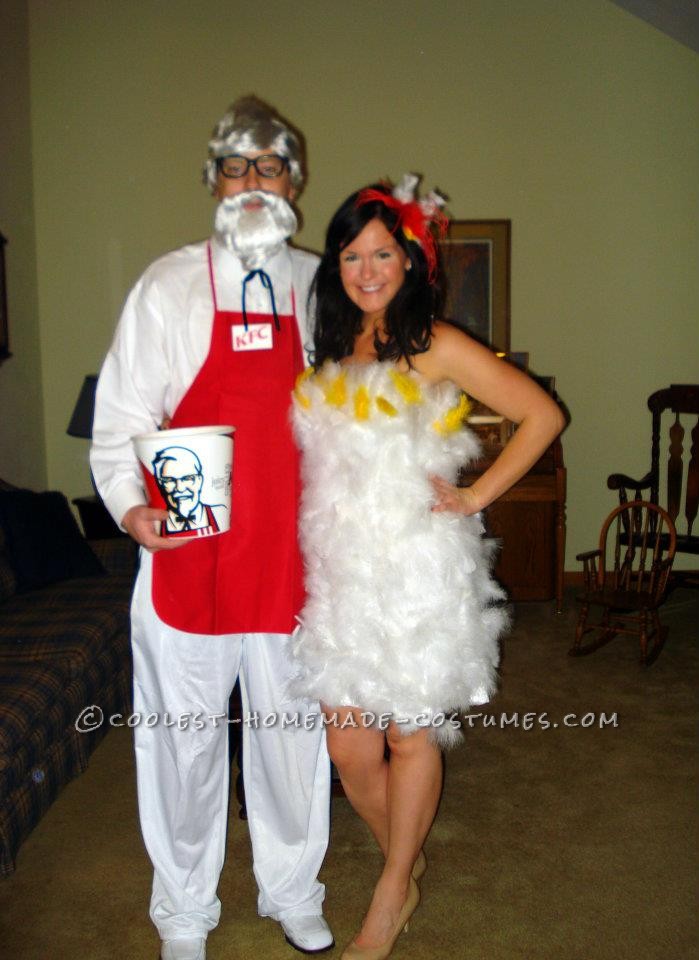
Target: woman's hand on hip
453, 498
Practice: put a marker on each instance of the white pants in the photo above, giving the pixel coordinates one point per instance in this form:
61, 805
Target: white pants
183, 774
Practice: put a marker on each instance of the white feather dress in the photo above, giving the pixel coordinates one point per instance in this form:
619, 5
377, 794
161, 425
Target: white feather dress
402, 617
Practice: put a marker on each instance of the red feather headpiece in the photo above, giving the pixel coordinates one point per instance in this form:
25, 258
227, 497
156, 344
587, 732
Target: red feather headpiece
415, 218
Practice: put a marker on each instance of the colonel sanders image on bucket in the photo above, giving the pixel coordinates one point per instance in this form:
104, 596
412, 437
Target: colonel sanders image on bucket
188, 473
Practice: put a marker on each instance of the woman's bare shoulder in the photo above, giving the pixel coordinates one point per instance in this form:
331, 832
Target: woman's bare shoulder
446, 343
445, 336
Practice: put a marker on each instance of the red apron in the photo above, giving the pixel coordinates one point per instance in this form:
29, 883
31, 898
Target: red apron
250, 579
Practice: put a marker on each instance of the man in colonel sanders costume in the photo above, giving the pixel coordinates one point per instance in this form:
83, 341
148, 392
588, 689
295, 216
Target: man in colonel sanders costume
213, 334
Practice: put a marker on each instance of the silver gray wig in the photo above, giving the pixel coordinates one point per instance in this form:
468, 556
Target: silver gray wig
251, 124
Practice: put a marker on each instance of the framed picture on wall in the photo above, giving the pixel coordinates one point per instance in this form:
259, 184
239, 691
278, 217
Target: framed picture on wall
4, 333
476, 262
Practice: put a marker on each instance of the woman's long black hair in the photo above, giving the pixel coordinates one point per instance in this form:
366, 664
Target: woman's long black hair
409, 316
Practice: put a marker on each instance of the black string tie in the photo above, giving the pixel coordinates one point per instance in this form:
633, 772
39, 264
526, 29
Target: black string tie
267, 284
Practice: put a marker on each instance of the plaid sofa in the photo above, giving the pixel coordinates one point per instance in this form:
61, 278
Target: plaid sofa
63, 648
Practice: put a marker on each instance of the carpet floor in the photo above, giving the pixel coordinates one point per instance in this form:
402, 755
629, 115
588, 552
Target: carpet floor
567, 828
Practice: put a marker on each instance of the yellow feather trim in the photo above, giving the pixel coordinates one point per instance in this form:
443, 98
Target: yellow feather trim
302, 398
361, 403
336, 391
408, 388
453, 419
385, 407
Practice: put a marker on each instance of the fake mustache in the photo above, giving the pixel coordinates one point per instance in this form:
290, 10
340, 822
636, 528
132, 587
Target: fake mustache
255, 210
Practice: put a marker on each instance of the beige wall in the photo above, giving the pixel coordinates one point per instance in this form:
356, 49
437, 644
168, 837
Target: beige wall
22, 448
574, 119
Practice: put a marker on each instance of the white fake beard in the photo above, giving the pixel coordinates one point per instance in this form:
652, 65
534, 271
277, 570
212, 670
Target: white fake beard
254, 235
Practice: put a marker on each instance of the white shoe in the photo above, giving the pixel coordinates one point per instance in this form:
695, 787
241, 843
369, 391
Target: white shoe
308, 934
187, 948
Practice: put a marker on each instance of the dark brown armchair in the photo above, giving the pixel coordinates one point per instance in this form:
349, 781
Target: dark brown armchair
678, 489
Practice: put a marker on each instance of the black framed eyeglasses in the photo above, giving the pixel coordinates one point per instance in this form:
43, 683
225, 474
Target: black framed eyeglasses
235, 167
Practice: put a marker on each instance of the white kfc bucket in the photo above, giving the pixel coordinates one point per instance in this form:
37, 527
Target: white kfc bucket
187, 472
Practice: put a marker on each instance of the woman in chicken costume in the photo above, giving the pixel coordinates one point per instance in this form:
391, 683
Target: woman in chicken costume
401, 624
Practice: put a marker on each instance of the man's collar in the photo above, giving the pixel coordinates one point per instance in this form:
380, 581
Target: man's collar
228, 265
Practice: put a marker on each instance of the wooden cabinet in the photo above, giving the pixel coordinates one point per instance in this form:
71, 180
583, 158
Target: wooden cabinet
529, 520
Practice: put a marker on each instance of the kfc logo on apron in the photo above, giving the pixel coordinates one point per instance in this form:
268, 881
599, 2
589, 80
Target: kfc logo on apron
258, 336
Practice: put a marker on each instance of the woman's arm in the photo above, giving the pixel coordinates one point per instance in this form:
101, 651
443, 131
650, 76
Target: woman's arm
455, 356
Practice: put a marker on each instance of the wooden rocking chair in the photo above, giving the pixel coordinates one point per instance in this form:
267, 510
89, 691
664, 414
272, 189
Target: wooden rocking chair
642, 542
674, 453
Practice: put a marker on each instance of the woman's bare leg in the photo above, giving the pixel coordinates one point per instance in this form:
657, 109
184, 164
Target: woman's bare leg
414, 787
358, 754
397, 800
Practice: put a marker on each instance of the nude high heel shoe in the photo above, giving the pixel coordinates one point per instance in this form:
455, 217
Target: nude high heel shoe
419, 866
354, 952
